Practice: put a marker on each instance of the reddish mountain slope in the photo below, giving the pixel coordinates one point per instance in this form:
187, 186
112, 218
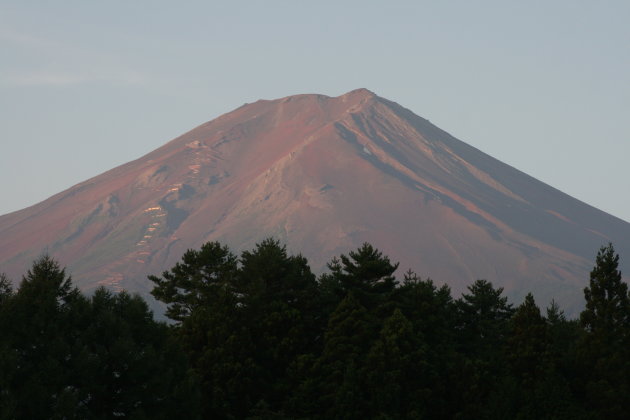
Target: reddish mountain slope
323, 175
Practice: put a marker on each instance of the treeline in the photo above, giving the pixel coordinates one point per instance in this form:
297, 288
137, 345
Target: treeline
261, 337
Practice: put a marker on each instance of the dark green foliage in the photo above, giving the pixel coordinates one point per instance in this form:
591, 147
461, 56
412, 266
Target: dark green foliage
607, 314
272, 342
400, 378
260, 337
431, 309
565, 335
432, 313
347, 339
542, 392
201, 298
280, 293
8, 356
6, 291
243, 326
197, 281
35, 334
350, 328
366, 273
130, 364
278, 305
528, 344
483, 317
67, 356
483, 324
604, 348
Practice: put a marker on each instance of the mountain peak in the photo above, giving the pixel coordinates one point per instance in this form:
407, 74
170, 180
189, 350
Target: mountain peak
360, 93
323, 174
356, 96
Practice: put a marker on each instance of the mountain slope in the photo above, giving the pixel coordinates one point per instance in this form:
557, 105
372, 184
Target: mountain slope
323, 175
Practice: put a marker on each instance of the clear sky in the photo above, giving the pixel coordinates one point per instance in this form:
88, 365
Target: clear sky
541, 85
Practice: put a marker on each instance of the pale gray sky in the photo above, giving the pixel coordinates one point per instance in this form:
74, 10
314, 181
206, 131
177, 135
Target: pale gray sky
541, 85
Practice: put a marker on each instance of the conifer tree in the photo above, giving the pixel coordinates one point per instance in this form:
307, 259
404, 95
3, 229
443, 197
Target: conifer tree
348, 338
279, 306
6, 291
482, 324
528, 343
367, 273
74, 357
8, 355
37, 327
399, 376
606, 320
430, 309
126, 363
198, 281
564, 334
607, 314
483, 317
200, 291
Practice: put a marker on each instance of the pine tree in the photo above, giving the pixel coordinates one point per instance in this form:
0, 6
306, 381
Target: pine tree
349, 336
6, 290
127, 363
8, 355
200, 291
74, 357
400, 379
367, 273
201, 278
528, 343
279, 306
565, 334
38, 328
482, 324
607, 314
431, 311
606, 320
483, 318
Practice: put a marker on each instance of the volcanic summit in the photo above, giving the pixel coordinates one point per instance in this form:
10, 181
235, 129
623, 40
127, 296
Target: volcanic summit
323, 175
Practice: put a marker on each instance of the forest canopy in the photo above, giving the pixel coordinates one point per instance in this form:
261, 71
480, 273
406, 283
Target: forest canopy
260, 336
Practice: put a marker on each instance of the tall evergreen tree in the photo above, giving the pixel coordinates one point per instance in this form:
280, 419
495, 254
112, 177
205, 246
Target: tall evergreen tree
483, 317
606, 320
607, 313
279, 305
198, 281
127, 363
565, 334
74, 357
528, 343
201, 297
400, 379
367, 273
38, 327
8, 356
431, 311
351, 331
6, 290
539, 391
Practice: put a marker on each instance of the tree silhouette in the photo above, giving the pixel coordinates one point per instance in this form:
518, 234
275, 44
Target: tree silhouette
606, 320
